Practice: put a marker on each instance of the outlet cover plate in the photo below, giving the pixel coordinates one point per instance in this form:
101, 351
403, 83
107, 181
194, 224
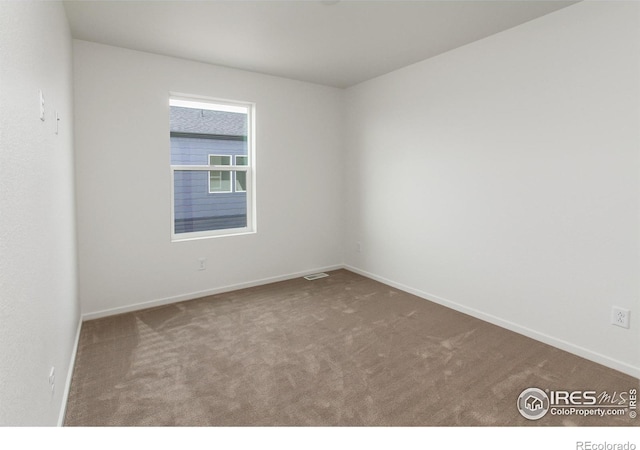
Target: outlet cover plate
620, 316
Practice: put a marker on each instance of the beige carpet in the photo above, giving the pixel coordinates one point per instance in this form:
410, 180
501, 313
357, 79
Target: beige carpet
342, 350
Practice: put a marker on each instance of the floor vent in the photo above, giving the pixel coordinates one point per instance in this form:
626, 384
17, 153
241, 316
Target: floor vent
315, 276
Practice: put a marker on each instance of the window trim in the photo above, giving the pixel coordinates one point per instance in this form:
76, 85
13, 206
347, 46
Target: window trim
249, 108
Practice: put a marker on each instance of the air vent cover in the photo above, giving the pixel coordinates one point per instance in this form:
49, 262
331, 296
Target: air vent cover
315, 276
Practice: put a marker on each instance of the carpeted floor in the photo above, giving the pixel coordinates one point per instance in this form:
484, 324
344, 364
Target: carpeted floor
343, 350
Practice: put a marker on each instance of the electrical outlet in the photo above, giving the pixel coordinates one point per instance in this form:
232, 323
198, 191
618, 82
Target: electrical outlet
359, 247
203, 263
620, 316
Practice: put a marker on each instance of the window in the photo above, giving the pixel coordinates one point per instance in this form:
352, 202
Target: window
211, 167
219, 181
241, 177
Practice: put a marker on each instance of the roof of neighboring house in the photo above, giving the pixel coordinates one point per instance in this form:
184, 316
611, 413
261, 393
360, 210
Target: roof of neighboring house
202, 121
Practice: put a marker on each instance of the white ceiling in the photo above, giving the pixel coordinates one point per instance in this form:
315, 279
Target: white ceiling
332, 43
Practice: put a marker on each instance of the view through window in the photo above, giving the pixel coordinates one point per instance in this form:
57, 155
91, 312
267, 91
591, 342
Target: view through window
211, 166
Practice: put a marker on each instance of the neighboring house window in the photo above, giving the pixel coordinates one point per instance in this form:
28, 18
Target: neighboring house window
241, 177
219, 181
212, 167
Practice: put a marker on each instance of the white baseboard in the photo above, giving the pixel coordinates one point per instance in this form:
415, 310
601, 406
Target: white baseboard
194, 295
67, 385
533, 334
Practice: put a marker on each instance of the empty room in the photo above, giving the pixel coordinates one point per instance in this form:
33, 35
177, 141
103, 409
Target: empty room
320, 214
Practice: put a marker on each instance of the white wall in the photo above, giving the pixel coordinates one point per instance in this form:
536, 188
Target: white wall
39, 313
502, 179
126, 258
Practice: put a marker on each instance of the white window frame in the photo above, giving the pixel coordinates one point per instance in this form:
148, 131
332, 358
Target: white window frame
231, 178
190, 101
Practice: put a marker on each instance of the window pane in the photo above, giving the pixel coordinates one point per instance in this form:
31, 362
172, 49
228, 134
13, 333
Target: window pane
241, 160
219, 160
195, 209
219, 181
241, 181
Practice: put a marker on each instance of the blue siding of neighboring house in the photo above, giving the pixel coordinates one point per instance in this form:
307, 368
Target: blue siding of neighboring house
195, 208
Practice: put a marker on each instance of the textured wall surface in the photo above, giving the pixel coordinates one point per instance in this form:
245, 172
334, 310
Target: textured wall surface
38, 304
122, 123
502, 178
